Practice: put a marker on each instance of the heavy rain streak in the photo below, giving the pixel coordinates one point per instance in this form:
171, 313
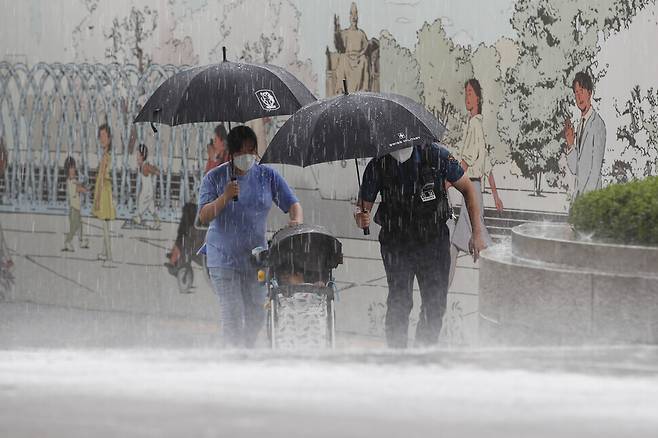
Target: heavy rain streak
341, 218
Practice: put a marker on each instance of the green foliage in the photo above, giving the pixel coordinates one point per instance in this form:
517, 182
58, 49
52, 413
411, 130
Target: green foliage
129, 35
623, 213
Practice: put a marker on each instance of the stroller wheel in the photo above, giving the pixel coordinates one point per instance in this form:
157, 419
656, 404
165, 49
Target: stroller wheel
271, 323
185, 279
331, 323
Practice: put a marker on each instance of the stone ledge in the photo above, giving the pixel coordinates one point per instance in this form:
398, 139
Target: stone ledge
557, 244
525, 301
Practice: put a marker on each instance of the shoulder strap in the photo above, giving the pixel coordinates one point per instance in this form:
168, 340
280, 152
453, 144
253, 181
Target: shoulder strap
426, 168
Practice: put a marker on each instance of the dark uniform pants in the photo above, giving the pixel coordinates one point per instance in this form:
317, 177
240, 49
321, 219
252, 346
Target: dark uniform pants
429, 262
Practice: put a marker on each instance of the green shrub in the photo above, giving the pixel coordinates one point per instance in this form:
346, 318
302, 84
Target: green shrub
623, 213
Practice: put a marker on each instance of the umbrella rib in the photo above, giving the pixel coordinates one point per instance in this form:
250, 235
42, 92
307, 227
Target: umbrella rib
313, 127
180, 98
334, 103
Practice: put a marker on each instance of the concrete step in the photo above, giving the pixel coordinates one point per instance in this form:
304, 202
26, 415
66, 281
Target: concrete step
501, 223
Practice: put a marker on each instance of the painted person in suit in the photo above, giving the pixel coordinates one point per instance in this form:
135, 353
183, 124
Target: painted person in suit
585, 146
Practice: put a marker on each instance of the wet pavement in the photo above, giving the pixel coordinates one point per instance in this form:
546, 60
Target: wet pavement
357, 392
89, 351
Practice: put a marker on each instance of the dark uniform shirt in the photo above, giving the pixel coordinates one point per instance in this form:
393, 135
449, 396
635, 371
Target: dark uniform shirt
408, 171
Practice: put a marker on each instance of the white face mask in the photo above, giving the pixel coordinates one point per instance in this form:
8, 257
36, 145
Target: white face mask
244, 162
402, 155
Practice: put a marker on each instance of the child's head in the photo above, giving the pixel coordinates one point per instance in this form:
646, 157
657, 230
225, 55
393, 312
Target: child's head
69, 166
289, 274
142, 153
105, 136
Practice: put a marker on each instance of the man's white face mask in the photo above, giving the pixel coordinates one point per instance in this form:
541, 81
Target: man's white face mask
402, 155
244, 162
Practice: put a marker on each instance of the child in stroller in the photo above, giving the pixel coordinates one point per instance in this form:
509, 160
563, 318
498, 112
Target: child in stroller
297, 270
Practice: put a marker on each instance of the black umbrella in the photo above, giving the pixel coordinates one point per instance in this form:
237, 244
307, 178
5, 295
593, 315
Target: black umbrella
225, 92
357, 125
352, 126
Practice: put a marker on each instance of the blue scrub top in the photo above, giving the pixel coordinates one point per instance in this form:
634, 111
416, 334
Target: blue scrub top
241, 226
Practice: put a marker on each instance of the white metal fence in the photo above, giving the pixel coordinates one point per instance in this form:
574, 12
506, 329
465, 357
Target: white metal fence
51, 111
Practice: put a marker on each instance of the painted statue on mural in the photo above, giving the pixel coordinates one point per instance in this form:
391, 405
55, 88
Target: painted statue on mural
357, 58
585, 146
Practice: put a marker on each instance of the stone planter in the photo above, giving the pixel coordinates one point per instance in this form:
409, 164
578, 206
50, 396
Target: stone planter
545, 286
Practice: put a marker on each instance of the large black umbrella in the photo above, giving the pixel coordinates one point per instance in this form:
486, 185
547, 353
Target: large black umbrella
225, 92
357, 125
352, 126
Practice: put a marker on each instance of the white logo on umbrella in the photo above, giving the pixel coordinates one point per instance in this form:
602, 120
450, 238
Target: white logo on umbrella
267, 100
402, 140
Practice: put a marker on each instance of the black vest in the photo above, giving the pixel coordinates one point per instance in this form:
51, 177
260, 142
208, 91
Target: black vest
405, 216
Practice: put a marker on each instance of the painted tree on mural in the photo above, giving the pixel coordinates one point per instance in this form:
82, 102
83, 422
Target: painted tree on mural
639, 134
444, 68
399, 70
128, 35
274, 42
556, 39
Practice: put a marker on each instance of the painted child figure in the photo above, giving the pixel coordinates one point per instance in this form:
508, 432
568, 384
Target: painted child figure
146, 196
73, 190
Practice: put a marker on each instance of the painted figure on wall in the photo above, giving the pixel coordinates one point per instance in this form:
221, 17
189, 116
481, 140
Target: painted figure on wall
476, 163
585, 146
356, 60
6, 263
217, 152
73, 191
103, 203
146, 196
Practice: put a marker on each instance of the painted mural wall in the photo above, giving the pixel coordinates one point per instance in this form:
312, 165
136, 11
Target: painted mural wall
524, 53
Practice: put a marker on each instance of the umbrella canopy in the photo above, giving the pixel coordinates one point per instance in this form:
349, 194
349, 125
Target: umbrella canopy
226, 92
356, 125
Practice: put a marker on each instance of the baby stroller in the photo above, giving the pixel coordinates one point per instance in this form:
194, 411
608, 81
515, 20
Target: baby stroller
188, 240
297, 269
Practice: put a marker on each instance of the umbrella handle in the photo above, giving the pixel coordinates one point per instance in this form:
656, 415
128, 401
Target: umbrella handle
366, 230
235, 198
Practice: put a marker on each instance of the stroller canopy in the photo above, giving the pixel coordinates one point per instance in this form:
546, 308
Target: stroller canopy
306, 247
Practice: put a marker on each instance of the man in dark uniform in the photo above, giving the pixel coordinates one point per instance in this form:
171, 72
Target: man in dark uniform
414, 237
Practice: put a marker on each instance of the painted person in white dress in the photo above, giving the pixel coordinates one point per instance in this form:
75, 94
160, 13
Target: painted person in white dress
146, 196
476, 162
